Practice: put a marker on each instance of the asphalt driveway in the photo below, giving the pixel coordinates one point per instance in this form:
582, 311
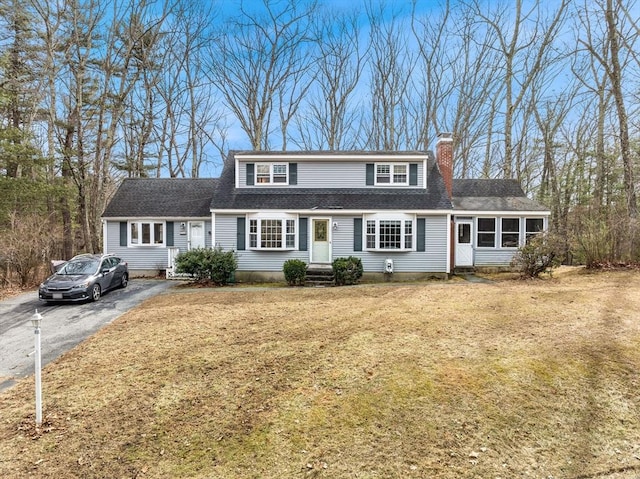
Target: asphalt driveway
63, 325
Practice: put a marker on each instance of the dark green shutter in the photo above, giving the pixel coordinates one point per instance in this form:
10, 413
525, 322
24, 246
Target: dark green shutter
123, 233
241, 245
302, 237
421, 235
413, 174
169, 233
370, 174
293, 173
250, 174
357, 234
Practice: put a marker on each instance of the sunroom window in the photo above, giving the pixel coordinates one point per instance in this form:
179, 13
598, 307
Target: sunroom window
146, 233
486, 232
510, 232
533, 227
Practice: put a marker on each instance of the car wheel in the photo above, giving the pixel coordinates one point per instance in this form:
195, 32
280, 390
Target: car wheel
124, 281
95, 292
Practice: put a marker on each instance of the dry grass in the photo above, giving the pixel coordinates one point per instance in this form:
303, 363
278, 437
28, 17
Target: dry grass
448, 380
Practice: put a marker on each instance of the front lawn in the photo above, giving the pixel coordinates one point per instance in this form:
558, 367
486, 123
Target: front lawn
438, 379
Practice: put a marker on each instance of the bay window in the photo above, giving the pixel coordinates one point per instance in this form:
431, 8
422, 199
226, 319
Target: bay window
272, 233
389, 234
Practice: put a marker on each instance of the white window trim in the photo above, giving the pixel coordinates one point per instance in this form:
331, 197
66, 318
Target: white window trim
533, 234
152, 244
392, 167
519, 232
382, 217
522, 232
496, 222
270, 165
282, 218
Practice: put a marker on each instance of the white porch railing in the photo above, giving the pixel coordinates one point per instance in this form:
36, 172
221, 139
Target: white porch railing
173, 251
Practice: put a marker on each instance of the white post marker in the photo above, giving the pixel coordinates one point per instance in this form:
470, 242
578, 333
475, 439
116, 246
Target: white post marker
36, 319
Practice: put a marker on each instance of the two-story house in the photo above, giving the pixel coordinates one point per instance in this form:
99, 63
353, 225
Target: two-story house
402, 213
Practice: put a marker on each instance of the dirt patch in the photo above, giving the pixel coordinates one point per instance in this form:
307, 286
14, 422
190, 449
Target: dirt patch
439, 379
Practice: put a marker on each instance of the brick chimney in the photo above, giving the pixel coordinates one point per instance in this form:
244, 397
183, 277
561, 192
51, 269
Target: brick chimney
444, 158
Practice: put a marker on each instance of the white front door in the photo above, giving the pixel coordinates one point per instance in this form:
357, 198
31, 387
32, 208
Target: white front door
464, 246
320, 240
196, 234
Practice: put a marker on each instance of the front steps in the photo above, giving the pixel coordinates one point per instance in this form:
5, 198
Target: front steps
319, 276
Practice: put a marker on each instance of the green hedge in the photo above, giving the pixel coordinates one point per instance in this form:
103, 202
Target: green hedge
347, 270
295, 272
205, 264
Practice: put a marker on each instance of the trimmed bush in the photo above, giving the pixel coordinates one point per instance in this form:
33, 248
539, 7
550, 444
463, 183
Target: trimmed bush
205, 264
295, 272
539, 255
347, 270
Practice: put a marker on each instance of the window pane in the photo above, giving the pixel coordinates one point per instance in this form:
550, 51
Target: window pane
390, 234
291, 234
408, 234
371, 234
510, 240
464, 233
263, 174
158, 237
486, 224
253, 233
279, 173
383, 173
510, 225
400, 174
534, 225
486, 239
271, 234
146, 233
135, 238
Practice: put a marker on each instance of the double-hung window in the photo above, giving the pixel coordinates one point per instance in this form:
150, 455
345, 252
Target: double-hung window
486, 232
392, 174
533, 227
510, 234
389, 234
272, 233
272, 173
146, 233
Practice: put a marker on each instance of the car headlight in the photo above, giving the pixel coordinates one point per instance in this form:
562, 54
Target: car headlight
84, 285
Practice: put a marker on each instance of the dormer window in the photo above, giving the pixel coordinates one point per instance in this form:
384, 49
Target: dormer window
271, 173
392, 174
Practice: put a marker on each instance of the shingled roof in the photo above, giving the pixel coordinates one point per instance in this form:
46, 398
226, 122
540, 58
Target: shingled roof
492, 195
162, 197
227, 197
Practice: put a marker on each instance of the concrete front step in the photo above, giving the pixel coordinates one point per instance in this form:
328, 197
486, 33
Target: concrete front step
319, 276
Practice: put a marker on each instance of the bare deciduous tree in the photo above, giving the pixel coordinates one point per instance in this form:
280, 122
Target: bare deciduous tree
254, 61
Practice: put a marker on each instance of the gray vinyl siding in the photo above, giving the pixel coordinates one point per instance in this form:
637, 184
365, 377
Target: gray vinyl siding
252, 260
433, 260
493, 257
146, 258
328, 174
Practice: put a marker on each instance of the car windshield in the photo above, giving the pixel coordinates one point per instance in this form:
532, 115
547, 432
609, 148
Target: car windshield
82, 266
